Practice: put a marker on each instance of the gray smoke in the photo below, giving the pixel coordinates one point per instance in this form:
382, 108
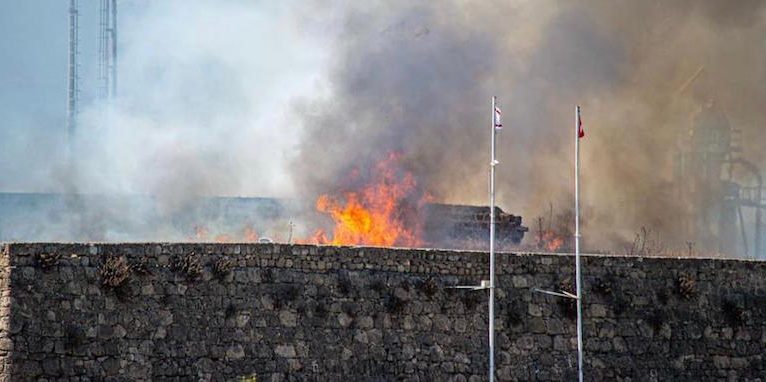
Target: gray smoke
417, 77
288, 98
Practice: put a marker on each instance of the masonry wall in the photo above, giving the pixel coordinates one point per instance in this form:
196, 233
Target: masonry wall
279, 312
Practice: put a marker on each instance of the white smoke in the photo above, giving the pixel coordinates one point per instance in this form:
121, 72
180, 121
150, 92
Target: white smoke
205, 104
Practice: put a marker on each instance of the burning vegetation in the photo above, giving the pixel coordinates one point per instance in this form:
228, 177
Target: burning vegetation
247, 235
554, 232
391, 210
384, 212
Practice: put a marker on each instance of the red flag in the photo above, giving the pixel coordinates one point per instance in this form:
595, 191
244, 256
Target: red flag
580, 131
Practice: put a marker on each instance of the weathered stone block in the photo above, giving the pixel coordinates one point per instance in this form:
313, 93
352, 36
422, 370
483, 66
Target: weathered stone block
235, 352
287, 351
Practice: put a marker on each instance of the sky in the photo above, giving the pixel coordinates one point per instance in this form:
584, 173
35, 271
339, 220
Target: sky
33, 68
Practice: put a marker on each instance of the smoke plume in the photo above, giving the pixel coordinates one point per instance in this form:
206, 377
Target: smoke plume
203, 109
286, 99
417, 77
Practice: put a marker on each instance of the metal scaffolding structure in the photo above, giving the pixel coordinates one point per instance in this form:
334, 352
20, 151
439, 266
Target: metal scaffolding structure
710, 185
107, 50
73, 88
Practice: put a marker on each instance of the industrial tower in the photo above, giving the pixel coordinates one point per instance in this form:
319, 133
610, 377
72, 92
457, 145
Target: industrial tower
73, 88
107, 50
709, 190
107, 62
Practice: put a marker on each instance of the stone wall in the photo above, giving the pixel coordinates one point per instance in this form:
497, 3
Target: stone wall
279, 312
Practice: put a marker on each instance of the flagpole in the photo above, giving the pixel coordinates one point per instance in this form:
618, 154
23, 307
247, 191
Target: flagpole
577, 244
492, 164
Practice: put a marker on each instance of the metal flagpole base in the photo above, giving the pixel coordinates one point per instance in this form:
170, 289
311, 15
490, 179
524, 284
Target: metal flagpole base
483, 285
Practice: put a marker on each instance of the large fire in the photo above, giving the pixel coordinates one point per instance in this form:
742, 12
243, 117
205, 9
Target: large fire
381, 213
381, 205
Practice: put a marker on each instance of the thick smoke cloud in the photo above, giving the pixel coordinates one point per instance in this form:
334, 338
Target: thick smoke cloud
416, 77
204, 108
204, 101
286, 99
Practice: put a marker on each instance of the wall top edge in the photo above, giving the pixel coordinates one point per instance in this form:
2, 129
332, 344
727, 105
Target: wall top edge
92, 247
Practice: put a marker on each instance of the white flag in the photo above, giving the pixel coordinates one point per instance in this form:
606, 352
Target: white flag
498, 122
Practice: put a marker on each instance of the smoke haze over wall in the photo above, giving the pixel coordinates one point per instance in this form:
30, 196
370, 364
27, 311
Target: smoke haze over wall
204, 101
417, 78
204, 108
285, 99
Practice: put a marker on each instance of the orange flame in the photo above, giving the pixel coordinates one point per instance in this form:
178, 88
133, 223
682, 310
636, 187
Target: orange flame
552, 242
203, 234
223, 238
250, 235
376, 214
200, 233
